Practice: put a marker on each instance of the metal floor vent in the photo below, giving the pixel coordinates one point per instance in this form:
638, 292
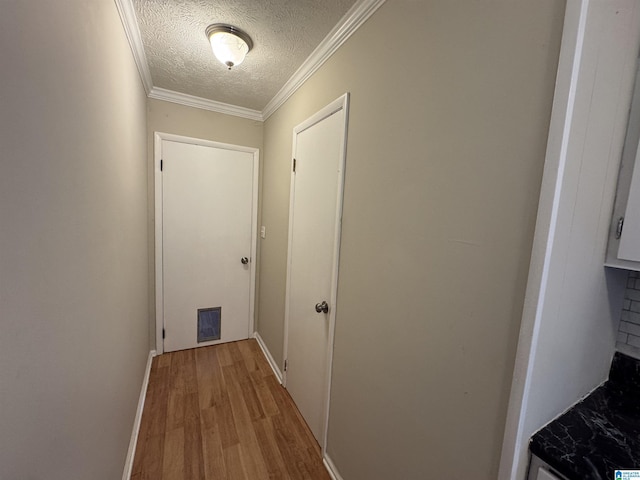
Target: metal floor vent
209, 324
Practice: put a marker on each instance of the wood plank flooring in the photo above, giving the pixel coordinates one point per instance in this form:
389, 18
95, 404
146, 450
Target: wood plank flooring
219, 413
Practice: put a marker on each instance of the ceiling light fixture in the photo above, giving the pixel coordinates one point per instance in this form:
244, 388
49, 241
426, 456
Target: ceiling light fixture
229, 44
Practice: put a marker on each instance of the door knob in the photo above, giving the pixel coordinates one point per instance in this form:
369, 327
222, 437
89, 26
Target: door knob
244, 260
322, 307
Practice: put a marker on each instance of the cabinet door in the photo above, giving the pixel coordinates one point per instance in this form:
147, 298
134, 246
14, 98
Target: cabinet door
624, 251
629, 248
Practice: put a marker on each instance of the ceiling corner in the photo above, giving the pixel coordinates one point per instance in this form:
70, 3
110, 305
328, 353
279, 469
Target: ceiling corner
352, 20
130, 24
204, 104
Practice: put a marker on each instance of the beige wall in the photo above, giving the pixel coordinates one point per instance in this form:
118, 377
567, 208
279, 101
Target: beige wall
447, 134
178, 119
73, 240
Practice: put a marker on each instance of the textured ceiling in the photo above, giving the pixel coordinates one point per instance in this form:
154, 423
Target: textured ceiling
284, 33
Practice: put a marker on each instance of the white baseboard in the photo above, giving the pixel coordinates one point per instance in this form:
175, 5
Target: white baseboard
331, 468
267, 354
128, 464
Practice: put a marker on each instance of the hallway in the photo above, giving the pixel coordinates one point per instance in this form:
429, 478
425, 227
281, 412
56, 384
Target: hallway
451, 125
219, 413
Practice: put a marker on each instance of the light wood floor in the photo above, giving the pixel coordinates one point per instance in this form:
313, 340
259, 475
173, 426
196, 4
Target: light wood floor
219, 413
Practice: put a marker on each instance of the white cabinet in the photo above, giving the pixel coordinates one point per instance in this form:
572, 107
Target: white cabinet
623, 250
545, 475
629, 248
539, 470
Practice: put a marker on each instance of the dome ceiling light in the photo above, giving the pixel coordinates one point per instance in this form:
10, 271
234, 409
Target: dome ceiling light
229, 44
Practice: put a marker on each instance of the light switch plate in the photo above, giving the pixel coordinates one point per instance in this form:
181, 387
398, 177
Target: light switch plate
263, 232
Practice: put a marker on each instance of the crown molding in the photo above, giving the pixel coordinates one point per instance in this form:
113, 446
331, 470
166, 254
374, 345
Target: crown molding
130, 24
204, 103
352, 20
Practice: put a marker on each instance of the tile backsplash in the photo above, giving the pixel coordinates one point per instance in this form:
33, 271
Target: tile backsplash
629, 330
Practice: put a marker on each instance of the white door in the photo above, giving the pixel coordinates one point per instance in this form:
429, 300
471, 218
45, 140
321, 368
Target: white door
314, 237
207, 244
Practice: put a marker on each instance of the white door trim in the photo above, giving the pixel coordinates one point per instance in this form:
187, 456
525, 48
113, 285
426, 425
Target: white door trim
341, 103
158, 138
515, 442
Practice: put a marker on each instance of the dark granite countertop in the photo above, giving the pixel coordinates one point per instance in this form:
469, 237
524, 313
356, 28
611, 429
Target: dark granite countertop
599, 434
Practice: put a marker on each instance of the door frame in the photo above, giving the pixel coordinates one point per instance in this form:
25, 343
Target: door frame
158, 138
341, 103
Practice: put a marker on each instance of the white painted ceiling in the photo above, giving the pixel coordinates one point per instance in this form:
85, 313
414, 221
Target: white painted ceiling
284, 33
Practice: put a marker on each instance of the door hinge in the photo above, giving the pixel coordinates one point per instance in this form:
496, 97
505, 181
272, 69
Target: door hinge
286, 364
294, 165
163, 333
161, 165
